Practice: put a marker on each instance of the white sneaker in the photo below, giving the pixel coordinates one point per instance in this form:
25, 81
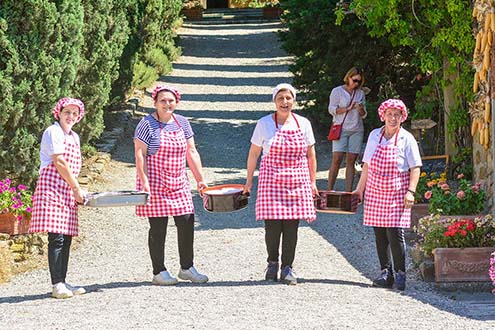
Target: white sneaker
60, 291
192, 275
164, 278
76, 290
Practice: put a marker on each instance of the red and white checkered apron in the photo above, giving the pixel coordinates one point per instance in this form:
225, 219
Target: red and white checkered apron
385, 190
284, 188
54, 205
170, 190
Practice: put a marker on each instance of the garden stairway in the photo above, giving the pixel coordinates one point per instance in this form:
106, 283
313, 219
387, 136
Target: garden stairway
233, 16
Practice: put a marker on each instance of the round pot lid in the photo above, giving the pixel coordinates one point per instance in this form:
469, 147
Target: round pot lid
224, 189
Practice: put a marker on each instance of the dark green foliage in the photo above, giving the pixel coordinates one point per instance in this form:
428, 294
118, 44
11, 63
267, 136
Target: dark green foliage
325, 51
77, 48
105, 35
41, 44
151, 48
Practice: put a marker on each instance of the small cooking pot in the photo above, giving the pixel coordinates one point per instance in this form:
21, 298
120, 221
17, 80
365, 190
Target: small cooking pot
330, 201
224, 198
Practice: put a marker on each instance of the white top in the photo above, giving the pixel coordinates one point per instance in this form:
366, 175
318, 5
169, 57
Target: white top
340, 98
265, 130
408, 148
52, 143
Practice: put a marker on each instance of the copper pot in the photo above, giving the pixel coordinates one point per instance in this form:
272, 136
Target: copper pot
225, 198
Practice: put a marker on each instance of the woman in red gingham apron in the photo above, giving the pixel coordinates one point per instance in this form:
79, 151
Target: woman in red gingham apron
58, 192
286, 180
163, 143
389, 178
170, 193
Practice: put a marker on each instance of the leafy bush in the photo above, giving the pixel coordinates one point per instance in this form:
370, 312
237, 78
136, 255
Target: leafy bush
90, 49
325, 51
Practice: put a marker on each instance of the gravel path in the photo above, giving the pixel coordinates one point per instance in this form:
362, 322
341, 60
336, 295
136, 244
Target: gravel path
226, 75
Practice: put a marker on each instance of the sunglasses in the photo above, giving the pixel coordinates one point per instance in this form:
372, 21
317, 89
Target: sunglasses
357, 81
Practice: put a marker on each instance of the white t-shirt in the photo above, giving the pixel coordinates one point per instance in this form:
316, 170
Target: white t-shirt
408, 155
340, 98
265, 130
52, 143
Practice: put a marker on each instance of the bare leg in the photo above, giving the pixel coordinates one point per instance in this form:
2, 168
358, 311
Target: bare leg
350, 170
334, 168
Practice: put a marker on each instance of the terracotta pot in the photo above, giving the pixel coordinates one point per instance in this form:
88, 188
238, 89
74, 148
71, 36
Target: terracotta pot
462, 264
10, 225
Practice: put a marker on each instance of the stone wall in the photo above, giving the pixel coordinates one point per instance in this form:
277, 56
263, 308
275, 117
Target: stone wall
483, 171
17, 251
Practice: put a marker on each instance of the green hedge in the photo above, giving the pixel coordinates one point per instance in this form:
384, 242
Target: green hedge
91, 49
325, 51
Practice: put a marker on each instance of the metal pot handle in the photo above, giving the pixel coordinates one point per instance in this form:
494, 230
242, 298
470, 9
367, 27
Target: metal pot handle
242, 197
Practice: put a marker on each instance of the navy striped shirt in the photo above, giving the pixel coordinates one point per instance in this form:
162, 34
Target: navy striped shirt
148, 131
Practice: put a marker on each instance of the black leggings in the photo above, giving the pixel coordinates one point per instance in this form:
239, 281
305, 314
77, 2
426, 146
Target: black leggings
391, 239
58, 256
185, 238
288, 230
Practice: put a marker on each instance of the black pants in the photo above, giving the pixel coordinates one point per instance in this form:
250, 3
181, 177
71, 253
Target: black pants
58, 256
288, 230
185, 238
391, 239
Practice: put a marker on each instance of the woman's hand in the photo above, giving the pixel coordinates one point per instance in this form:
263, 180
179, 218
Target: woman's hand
247, 188
201, 186
359, 193
408, 200
314, 189
79, 194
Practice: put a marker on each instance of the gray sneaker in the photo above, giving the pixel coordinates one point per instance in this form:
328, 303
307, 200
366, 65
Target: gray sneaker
288, 276
164, 278
76, 290
192, 275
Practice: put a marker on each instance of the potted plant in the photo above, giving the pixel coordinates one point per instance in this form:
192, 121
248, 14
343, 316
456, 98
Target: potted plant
272, 9
421, 205
15, 208
461, 246
192, 9
459, 198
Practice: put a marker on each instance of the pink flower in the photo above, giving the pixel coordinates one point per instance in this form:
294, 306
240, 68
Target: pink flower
461, 194
475, 188
460, 176
430, 184
12, 189
21, 187
428, 194
445, 186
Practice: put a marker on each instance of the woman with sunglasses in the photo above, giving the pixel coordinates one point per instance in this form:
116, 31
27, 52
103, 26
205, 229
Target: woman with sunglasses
347, 106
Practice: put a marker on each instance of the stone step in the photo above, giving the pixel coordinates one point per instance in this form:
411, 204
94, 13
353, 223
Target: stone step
233, 16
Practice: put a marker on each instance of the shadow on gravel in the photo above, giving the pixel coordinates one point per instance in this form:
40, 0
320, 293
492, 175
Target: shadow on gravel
225, 81
335, 282
21, 299
256, 45
230, 68
93, 288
